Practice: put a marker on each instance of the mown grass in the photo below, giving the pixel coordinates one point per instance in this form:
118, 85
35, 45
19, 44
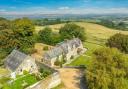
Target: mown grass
81, 60
91, 47
22, 82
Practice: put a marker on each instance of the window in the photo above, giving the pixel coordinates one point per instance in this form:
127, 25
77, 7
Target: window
20, 70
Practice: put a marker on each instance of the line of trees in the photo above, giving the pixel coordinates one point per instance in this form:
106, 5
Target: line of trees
46, 21
111, 24
68, 31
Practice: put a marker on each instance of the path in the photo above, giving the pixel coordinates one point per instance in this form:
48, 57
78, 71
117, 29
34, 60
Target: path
70, 77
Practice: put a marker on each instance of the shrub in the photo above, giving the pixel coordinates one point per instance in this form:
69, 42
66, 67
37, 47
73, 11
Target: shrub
45, 48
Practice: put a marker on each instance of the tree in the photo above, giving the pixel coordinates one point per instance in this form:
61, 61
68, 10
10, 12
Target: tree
20, 35
4, 24
119, 41
107, 23
45, 35
8, 40
70, 30
121, 26
109, 70
23, 27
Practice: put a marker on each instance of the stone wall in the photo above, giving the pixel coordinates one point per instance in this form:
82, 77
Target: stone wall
49, 82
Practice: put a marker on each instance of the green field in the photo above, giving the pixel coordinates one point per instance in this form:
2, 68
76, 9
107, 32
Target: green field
96, 38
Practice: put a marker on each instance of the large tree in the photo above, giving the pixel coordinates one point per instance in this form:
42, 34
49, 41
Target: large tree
119, 41
70, 30
45, 35
23, 27
20, 35
109, 70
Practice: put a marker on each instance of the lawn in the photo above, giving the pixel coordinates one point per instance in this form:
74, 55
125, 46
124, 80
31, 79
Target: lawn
82, 60
86, 58
22, 82
91, 47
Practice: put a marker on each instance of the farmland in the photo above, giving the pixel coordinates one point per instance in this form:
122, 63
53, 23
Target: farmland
96, 38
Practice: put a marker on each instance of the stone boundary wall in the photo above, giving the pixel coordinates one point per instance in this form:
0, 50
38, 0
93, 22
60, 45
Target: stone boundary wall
49, 82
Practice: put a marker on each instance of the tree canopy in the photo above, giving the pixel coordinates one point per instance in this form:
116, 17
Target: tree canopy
109, 70
4, 23
48, 37
18, 35
119, 41
45, 35
70, 30
23, 27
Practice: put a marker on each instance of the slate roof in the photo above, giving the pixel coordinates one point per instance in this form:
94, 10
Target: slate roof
62, 48
14, 60
55, 52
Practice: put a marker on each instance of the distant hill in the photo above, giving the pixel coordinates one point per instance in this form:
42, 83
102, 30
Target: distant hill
69, 16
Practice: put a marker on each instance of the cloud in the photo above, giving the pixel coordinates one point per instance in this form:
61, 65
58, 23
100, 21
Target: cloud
63, 8
12, 7
2, 10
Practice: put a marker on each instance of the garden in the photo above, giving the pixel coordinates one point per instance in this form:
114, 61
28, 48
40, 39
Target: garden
25, 80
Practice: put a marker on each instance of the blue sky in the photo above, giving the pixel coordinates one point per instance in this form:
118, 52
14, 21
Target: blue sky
63, 6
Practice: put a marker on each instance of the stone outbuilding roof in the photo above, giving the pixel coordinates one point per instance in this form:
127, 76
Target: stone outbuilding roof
14, 59
62, 48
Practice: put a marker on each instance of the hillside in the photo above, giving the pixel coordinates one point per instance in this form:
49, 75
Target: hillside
96, 38
95, 33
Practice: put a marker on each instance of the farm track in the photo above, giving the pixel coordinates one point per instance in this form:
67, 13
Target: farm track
70, 77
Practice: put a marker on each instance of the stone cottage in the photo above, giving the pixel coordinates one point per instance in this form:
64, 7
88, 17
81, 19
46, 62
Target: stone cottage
18, 62
66, 50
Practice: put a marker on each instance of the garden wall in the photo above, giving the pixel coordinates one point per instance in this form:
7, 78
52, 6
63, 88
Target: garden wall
49, 82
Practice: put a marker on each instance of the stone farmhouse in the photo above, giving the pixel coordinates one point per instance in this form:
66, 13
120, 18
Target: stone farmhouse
18, 62
66, 50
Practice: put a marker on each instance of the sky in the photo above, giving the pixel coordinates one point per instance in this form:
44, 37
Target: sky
30, 7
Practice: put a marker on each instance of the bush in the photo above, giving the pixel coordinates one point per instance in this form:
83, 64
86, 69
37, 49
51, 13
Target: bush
44, 72
25, 72
57, 62
45, 48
